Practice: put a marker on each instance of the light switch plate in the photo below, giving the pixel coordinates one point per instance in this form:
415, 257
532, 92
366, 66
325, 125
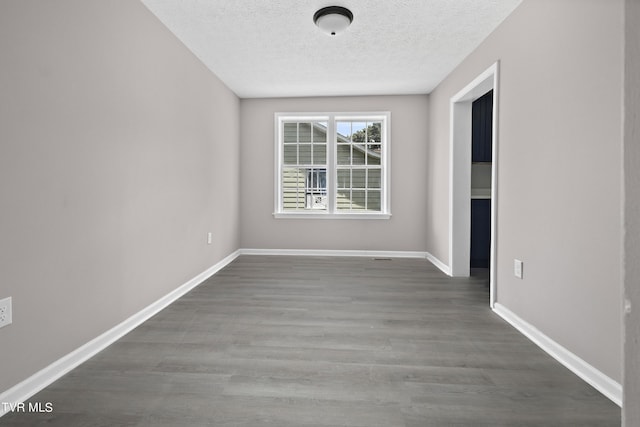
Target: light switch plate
517, 268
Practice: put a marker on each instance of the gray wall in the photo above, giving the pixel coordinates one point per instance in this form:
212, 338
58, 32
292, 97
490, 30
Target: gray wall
559, 163
631, 408
405, 231
118, 153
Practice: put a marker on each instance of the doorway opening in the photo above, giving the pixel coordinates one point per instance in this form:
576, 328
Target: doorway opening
460, 179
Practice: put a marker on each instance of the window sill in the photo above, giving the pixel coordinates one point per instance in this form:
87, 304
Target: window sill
317, 215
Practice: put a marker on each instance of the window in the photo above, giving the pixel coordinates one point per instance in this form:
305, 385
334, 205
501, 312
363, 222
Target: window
331, 165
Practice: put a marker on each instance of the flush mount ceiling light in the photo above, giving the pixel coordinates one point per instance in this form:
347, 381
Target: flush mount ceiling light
333, 19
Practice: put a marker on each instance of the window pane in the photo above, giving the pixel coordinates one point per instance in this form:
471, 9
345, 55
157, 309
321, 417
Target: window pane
374, 178
373, 158
316, 180
304, 153
358, 200
316, 201
344, 154
304, 189
373, 200
293, 187
304, 132
344, 200
358, 154
358, 132
290, 154
319, 154
344, 178
374, 133
344, 130
320, 132
358, 178
316, 189
290, 132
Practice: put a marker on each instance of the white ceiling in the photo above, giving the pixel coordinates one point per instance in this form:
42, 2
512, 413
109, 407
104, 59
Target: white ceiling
272, 48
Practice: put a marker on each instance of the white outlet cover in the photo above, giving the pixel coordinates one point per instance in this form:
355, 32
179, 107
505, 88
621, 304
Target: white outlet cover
517, 268
5, 312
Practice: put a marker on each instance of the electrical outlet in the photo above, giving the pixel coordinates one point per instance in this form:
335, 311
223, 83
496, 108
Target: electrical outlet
209, 238
5, 312
517, 268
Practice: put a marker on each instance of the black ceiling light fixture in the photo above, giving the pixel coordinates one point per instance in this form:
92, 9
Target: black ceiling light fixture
333, 19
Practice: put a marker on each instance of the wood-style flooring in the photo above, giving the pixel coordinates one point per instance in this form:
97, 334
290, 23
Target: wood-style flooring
325, 342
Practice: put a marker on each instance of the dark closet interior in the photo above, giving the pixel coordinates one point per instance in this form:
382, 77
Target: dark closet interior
481, 158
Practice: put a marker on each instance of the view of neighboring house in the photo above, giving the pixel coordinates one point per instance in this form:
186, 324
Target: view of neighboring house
358, 175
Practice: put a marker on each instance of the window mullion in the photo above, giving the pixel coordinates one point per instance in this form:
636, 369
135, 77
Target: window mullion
279, 185
332, 154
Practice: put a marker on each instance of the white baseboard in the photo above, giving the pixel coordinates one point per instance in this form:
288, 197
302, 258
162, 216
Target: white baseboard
601, 382
330, 252
441, 265
358, 253
38, 381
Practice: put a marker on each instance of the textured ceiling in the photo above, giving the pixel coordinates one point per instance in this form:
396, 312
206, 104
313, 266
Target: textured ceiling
272, 48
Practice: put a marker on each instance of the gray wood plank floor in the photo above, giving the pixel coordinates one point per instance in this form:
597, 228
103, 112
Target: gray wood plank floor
325, 342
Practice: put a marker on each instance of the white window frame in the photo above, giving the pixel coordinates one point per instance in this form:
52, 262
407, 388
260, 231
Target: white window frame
332, 146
